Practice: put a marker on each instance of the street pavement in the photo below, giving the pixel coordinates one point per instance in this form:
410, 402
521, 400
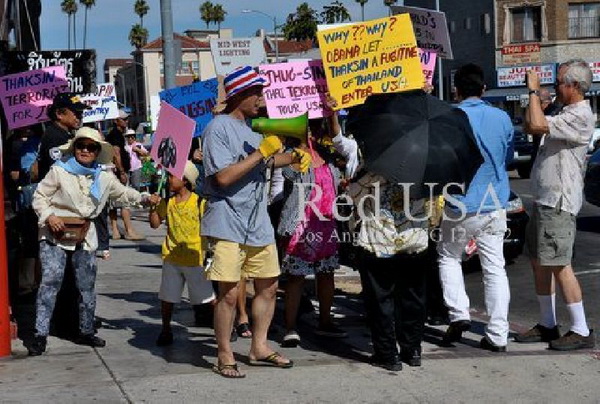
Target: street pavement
132, 369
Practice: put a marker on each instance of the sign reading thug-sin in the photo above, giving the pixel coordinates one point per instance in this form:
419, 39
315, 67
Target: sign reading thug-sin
373, 57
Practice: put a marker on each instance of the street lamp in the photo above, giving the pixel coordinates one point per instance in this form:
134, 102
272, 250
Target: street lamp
274, 30
123, 88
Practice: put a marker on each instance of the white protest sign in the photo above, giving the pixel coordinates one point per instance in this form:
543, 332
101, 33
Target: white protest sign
431, 29
231, 53
103, 103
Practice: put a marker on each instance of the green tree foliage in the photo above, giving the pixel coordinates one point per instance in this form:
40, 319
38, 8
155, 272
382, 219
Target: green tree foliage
87, 4
141, 8
138, 36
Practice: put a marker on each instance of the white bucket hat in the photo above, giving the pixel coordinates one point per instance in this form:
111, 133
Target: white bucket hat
190, 172
106, 150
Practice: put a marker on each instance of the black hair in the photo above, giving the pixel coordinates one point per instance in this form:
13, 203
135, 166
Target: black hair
469, 81
188, 184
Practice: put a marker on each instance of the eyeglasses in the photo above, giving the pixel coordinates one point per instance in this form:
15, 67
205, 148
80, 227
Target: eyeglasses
90, 147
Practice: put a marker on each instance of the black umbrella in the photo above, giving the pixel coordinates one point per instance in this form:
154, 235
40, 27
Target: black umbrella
415, 138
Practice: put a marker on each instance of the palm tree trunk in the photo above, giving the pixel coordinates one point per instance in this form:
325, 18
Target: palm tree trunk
142, 20
85, 28
362, 10
74, 30
69, 31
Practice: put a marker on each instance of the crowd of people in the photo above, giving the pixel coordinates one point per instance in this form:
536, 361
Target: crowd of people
260, 208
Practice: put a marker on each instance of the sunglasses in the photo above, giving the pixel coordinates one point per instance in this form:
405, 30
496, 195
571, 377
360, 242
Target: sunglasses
90, 147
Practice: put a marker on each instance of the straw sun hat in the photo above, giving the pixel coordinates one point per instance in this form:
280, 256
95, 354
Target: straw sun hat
106, 150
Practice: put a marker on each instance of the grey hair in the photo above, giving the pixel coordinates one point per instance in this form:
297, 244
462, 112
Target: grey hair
578, 71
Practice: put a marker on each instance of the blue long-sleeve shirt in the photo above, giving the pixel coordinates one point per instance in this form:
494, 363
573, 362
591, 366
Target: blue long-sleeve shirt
494, 133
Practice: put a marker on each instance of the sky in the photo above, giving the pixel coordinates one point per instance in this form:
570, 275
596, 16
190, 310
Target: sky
110, 21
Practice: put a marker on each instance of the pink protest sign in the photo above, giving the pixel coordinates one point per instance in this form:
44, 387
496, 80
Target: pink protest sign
295, 88
172, 139
428, 64
25, 96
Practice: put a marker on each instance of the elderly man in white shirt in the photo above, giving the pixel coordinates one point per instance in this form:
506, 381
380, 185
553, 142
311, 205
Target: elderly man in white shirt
557, 185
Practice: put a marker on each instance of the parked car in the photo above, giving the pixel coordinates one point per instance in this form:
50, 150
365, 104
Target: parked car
524, 153
591, 187
594, 141
514, 239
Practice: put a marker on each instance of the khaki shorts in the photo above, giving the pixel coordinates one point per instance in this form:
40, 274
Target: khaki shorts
232, 261
551, 235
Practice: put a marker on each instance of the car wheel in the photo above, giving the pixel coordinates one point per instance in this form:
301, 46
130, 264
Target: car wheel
524, 171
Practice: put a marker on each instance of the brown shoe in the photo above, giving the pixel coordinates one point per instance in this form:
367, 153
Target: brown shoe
539, 333
571, 341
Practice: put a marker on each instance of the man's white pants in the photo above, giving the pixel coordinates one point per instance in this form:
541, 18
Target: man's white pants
487, 229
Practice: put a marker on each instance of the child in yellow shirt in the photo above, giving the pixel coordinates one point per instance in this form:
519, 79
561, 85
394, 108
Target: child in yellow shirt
182, 250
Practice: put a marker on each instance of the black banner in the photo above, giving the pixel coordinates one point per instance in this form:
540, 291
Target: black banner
80, 65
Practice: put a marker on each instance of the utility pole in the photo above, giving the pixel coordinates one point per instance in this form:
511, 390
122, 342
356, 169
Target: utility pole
166, 22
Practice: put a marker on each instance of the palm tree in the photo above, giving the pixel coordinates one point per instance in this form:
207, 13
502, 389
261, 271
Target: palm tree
218, 15
302, 24
362, 7
141, 8
87, 4
389, 3
206, 12
69, 7
138, 36
334, 13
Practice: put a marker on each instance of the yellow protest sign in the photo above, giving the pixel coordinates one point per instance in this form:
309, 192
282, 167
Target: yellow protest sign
372, 57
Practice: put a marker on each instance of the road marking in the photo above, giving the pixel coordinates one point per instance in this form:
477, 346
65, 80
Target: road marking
593, 271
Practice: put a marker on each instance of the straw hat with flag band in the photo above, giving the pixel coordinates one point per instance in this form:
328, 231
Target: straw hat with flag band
241, 79
106, 150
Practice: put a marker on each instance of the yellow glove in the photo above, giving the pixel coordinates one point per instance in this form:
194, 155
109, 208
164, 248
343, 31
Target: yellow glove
304, 158
270, 145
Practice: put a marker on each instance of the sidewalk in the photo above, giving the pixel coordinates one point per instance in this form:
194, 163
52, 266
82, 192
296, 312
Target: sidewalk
132, 369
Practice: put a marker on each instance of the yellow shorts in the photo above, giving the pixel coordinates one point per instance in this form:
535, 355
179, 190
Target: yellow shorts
233, 262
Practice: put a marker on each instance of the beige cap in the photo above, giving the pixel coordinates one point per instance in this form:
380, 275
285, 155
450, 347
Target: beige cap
190, 172
106, 150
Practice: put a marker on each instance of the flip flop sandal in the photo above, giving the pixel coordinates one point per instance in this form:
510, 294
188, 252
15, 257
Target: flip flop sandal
271, 361
219, 369
242, 329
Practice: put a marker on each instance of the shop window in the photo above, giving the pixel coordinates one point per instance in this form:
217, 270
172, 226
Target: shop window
467, 23
452, 27
526, 24
485, 24
584, 20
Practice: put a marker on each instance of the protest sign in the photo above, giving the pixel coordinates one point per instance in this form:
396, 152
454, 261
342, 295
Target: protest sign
25, 96
103, 103
515, 76
595, 66
428, 65
79, 65
231, 53
196, 101
172, 139
294, 88
431, 29
373, 57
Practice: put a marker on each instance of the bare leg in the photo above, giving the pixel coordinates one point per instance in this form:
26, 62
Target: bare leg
242, 314
166, 311
544, 282
568, 283
293, 293
129, 230
325, 292
263, 307
224, 316
116, 235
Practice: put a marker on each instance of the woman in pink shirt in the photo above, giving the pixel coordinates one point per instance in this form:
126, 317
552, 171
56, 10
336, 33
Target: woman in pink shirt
136, 152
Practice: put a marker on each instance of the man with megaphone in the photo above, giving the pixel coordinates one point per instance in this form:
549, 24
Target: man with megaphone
236, 221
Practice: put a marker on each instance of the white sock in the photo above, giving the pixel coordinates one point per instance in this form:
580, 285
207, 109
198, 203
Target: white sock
579, 325
547, 310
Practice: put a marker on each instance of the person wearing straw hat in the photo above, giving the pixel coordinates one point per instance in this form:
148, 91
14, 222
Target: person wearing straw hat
74, 192
236, 221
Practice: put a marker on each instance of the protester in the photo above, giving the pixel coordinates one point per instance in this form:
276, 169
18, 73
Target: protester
236, 219
557, 188
311, 240
122, 164
182, 250
136, 152
72, 194
392, 257
196, 157
479, 215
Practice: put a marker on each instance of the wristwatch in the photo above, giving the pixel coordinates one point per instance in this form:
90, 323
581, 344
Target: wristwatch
536, 92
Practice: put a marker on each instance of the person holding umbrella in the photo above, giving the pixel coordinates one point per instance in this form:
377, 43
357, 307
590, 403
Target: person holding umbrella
480, 215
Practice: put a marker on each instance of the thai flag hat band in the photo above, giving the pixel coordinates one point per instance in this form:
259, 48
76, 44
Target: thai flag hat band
241, 79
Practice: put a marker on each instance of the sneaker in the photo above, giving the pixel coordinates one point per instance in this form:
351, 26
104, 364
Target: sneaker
290, 340
392, 364
165, 338
539, 333
330, 331
572, 340
90, 340
37, 346
455, 330
489, 346
412, 357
